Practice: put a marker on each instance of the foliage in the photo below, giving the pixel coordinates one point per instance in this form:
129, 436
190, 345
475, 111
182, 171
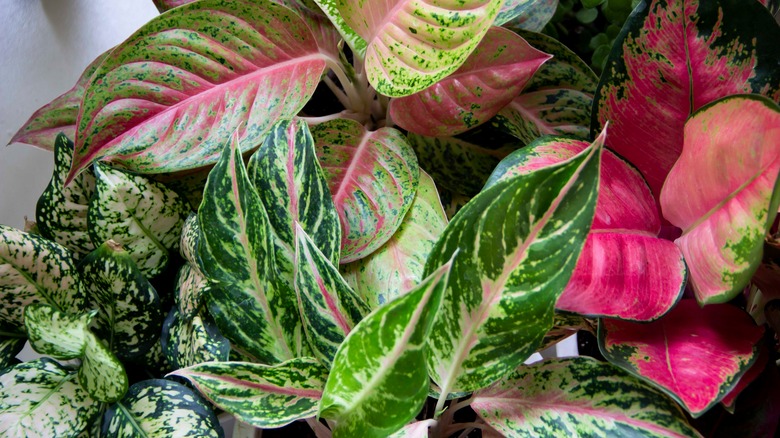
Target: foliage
366, 216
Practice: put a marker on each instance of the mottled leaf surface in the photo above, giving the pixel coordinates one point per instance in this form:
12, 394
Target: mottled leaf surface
579, 396
731, 156
530, 15
260, 395
187, 341
331, 9
372, 177
101, 373
696, 355
54, 333
191, 287
10, 346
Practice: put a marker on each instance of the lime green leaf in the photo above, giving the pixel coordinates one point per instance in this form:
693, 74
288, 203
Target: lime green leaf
54, 333
101, 373
189, 341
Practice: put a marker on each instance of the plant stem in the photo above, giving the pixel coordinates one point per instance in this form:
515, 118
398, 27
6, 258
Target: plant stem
355, 102
338, 92
319, 429
460, 426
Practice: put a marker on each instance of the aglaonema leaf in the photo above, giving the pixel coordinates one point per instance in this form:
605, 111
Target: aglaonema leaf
372, 177
696, 355
153, 408
378, 380
42, 398
519, 241
530, 15
418, 429
164, 5
579, 396
236, 254
726, 219
494, 73
672, 58
261, 395
101, 373
10, 345
188, 341
54, 333
191, 287
331, 9
170, 96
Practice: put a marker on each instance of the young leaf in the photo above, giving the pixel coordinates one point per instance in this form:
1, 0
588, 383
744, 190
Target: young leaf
491, 77
725, 220
378, 381
696, 355
169, 97
396, 267
672, 58
42, 398
261, 395
54, 333
61, 212
236, 253
101, 373
159, 407
579, 396
372, 176
531, 15
519, 240
35, 270
187, 341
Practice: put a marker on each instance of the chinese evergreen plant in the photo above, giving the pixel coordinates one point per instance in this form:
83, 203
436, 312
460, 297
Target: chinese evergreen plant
366, 216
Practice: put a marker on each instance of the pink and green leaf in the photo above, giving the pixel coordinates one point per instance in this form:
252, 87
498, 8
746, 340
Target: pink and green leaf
730, 400
731, 156
187, 341
494, 73
672, 58
696, 355
530, 15
372, 177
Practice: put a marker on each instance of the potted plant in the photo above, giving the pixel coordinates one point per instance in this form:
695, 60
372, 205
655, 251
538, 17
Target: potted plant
364, 217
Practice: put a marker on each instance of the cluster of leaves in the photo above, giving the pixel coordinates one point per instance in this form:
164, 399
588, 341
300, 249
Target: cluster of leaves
309, 269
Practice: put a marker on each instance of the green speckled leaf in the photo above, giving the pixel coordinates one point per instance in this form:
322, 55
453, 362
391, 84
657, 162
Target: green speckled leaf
530, 15
396, 267
372, 176
101, 373
260, 395
160, 408
61, 212
355, 41
191, 287
236, 254
35, 270
54, 333
10, 346
142, 215
43, 399
130, 317
188, 245
519, 242
378, 380
187, 341
579, 396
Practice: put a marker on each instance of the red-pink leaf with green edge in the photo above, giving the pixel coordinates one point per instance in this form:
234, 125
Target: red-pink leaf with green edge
496, 72
696, 355
624, 271
723, 193
730, 400
670, 59
171, 95
59, 115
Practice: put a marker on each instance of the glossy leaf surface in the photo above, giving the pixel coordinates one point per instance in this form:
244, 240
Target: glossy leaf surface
690, 353
372, 177
731, 155
519, 241
101, 373
491, 77
54, 333
171, 95
378, 380
190, 341
579, 396
531, 15
260, 395
672, 58
331, 9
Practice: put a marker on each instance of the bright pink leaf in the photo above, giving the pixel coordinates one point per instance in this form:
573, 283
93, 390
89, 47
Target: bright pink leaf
730, 400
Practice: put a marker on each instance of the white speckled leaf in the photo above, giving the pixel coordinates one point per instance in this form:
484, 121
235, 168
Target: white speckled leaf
187, 341
188, 245
191, 287
10, 346
54, 333
101, 373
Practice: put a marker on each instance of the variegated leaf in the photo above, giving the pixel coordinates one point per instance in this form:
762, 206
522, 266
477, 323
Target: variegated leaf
164, 5
43, 399
35, 270
418, 429
142, 215
396, 267
329, 308
236, 254
157, 408
191, 288
193, 76
59, 116
261, 395
579, 396
61, 212
519, 240
188, 184
756, 369
101, 373
673, 57
378, 380
188, 245
694, 354
55, 333
10, 345
497, 70
130, 317
187, 341
355, 41
725, 220
530, 15
372, 177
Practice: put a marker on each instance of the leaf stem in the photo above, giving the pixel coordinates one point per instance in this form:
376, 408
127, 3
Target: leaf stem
355, 103
319, 429
338, 92
467, 426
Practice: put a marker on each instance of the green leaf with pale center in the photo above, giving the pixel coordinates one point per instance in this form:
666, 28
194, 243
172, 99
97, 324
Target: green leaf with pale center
54, 333
261, 395
101, 373
378, 380
187, 341
519, 241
